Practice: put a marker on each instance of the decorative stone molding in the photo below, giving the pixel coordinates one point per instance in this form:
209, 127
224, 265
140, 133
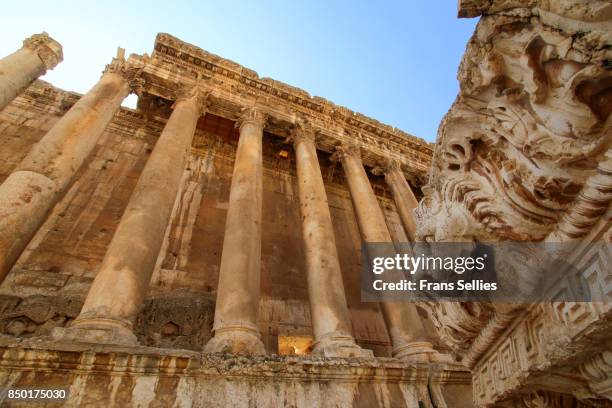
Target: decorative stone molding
252, 115
346, 149
138, 85
521, 146
49, 50
187, 378
386, 165
130, 71
199, 92
543, 399
302, 131
590, 205
597, 372
175, 62
523, 155
116, 66
166, 44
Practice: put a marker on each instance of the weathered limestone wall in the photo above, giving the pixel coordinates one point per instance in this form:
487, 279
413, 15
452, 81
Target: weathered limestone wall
58, 266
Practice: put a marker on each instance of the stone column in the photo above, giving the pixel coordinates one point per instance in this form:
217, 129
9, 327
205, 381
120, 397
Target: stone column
117, 293
404, 198
402, 319
328, 309
235, 327
19, 69
37, 183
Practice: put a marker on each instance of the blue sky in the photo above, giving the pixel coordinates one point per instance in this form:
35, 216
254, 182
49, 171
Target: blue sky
393, 61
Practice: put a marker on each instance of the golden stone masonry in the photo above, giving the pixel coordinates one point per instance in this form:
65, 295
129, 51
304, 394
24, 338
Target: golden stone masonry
203, 249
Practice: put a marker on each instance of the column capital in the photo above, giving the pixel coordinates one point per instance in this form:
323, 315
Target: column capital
252, 115
129, 72
48, 50
302, 131
387, 165
198, 93
346, 150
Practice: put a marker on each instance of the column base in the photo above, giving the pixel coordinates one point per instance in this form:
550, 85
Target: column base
339, 345
98, 331
419, 352
236, 339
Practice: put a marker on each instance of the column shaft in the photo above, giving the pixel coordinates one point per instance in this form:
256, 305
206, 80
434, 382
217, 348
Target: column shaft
37, 183
118, 291
404, 198
329, 312
402, 319
19, 69
235, 327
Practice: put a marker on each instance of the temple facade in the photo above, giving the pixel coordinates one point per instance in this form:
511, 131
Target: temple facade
204, 249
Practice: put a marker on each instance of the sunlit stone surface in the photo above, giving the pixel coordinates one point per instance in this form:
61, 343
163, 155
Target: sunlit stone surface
167, 255
524, 154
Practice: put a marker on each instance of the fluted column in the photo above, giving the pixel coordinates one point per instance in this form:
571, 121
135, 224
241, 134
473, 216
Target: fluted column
39, 181
404, 198
402, 319
235, 327
19, 69
117, 293
328, 309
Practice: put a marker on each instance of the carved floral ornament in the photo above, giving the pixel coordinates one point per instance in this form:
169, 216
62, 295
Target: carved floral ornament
523, 154
302, 131
252, 116
197, 93
346, 150
525, 133
387, 165
130, 71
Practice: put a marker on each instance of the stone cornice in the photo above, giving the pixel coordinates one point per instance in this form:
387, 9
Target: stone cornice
174, 62
177, 49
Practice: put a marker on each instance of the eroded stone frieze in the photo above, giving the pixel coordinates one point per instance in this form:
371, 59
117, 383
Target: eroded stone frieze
524, 154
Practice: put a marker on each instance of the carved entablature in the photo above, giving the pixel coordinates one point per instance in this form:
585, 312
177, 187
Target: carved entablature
524, 154
174, 62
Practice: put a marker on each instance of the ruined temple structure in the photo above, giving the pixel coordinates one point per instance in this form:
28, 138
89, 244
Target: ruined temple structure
204, 248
